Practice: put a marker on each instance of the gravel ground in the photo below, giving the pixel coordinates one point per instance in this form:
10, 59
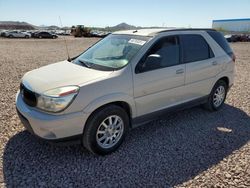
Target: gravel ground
191, 148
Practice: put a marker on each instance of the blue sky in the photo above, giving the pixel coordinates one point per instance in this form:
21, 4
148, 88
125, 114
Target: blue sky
171, 13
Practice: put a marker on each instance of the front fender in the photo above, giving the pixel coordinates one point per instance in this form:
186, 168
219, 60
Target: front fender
106, 99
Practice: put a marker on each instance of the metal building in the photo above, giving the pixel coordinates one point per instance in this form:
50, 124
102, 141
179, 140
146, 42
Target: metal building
240, 25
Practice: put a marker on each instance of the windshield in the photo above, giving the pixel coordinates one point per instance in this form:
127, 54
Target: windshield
112, 53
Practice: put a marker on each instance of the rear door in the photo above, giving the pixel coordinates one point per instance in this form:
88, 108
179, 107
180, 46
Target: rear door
200, 63
15, 34
20, 34
44, 34
158, 84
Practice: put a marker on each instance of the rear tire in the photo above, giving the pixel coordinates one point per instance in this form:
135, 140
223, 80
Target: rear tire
105, 130
217, 96
40, 37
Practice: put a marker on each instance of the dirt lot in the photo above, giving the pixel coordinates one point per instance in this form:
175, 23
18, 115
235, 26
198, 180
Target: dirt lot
190, 148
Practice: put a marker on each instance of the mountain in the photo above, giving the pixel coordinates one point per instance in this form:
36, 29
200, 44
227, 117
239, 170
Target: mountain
122, 26
125, 26
51, 27
16, 25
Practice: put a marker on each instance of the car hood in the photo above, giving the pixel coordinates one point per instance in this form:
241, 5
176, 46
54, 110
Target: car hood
60, 74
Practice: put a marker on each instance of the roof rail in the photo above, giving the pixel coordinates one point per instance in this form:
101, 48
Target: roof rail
189, 29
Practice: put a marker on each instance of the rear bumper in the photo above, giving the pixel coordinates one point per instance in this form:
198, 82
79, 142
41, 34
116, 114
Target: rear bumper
50, 127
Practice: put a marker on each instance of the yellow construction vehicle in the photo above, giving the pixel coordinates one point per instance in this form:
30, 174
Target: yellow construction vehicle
80, 31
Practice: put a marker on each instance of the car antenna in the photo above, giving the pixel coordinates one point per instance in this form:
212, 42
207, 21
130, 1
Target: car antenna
66, 45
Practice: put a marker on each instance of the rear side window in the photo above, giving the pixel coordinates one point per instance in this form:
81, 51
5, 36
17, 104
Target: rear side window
220, 39
195, 48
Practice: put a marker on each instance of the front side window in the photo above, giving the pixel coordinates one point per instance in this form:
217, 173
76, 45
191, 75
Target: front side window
164, 53
194, 48
112, 53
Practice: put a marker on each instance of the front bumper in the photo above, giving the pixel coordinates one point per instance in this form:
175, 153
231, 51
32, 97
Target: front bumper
49, 126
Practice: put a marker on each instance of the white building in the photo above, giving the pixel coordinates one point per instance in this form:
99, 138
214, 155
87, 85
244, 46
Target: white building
240, 25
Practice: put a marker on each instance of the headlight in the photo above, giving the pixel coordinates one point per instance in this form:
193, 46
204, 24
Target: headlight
57, 99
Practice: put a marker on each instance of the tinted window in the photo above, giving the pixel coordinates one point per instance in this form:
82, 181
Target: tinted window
167, 51
195, 48
220, 39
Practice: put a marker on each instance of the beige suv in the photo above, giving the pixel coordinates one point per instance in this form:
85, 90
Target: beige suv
125, 80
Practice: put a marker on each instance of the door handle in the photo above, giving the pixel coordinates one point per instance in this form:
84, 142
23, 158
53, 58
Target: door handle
215, 63
180, 71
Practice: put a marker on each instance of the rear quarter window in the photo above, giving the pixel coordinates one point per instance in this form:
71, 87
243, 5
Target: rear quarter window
220, 39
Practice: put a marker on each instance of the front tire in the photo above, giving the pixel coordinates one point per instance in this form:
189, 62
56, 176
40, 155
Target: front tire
105, 130
217, 97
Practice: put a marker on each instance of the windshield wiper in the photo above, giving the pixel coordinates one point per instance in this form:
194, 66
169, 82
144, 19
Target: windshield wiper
110, 58
96, 66
85, 63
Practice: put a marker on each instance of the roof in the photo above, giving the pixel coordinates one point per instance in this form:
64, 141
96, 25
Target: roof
232, 20
142, 32
153, 32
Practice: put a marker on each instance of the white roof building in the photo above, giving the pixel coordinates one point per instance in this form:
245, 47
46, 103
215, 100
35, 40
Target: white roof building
240, 25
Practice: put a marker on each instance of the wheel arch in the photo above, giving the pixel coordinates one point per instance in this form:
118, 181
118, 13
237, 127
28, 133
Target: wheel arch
123, 104
225, 79
120, 99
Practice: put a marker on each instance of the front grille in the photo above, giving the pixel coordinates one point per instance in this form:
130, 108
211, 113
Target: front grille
29, 97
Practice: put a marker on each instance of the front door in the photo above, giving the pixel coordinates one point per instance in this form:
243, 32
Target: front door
159, 77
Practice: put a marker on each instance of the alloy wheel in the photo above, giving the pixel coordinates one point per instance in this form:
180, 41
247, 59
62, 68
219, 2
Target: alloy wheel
219, 96
110, 131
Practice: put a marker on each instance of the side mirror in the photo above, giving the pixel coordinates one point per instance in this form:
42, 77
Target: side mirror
152, 62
